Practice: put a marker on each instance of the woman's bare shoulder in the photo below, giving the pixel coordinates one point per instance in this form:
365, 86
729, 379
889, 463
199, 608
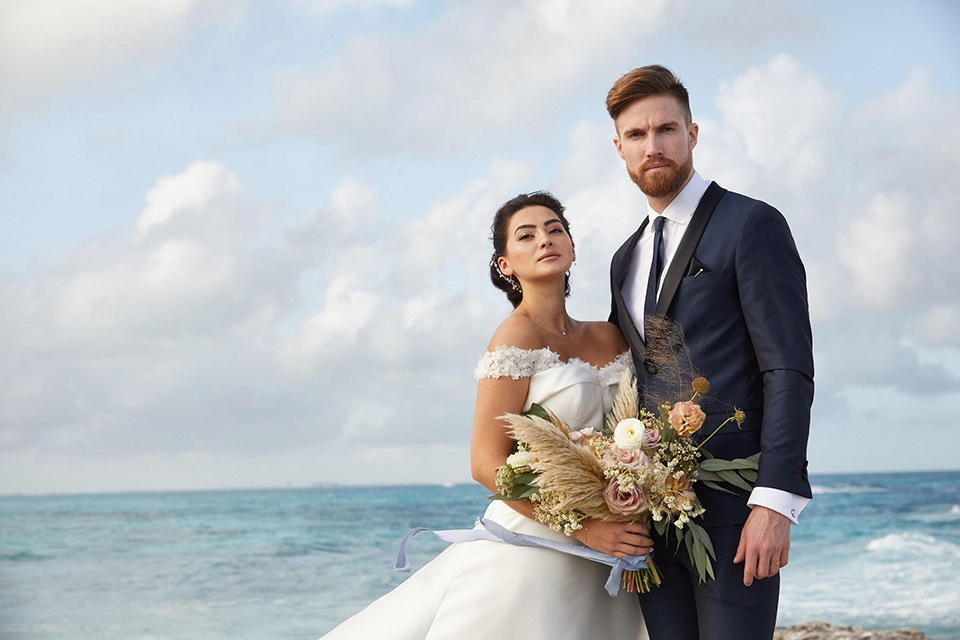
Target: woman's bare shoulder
608, 335
517, 331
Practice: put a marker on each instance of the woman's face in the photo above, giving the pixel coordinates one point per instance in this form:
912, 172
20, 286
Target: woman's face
537, 245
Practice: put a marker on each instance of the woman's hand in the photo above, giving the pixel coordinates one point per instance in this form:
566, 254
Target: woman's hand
617, 539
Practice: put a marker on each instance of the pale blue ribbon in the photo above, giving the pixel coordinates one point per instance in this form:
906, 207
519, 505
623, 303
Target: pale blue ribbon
489, 530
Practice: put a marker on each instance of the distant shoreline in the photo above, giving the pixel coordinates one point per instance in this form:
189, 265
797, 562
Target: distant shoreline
334, 485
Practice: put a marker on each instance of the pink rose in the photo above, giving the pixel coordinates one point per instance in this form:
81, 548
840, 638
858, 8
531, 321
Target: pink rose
632, 457
686, 417
624, 502
583, 436
652, 438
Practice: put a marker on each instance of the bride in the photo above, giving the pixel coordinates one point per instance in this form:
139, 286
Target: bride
486, 589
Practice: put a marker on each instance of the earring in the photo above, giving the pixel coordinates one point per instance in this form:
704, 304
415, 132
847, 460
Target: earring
514, 283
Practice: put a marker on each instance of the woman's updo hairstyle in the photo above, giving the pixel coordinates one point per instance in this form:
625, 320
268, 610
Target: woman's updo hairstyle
509, 284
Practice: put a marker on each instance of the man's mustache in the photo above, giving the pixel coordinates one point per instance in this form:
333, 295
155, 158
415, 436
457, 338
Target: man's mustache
649, 164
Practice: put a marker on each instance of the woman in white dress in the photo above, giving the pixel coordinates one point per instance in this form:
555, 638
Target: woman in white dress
484, 589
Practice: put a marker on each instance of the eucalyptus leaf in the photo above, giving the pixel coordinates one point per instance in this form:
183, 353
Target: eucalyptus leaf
531, 491
750, 475
733, 478
716, 464
717, 487
703, 538
528, 478
660, 526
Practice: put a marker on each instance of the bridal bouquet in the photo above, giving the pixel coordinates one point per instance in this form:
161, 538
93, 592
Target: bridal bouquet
640, 468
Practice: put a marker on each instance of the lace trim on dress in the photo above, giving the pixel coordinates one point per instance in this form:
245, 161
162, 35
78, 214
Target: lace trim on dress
515, 362
522, 363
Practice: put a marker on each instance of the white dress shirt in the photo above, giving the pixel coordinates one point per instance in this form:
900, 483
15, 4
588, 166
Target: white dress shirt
677, 217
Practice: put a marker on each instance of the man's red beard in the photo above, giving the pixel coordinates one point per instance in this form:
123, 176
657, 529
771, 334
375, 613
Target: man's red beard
663, 183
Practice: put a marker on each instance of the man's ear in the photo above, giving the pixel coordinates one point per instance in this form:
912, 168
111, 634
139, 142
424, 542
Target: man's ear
616, 142
693, 131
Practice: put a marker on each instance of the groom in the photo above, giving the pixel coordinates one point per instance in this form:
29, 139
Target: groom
725, 268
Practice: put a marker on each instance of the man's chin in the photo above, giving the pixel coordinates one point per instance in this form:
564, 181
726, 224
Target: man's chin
662, 184
659, 185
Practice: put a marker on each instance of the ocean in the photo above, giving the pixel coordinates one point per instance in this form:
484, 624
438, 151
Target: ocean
873, 550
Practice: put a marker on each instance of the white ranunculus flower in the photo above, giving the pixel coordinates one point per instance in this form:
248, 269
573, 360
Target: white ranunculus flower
629, 434
520, 460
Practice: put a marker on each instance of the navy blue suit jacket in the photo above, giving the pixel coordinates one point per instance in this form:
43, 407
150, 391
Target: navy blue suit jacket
746, 323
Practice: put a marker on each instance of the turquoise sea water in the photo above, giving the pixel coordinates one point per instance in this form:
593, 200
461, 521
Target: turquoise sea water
877, 550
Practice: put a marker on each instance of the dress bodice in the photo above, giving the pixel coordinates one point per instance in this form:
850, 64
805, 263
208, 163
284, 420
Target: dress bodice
578, 392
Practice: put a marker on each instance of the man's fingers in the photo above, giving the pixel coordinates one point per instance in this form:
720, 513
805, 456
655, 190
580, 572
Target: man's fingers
741, 551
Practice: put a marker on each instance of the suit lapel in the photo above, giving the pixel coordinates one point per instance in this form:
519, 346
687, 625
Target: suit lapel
691, 238
621, 263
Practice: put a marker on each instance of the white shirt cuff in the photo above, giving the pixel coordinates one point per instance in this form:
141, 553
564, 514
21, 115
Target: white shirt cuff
786, 504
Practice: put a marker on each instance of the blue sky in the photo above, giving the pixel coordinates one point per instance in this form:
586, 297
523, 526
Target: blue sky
245, 242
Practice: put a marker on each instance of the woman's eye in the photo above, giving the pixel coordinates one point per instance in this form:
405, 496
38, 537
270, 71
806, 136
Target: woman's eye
525, 236
556, 230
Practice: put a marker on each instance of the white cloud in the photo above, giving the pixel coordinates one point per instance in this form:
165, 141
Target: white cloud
330, 335
323, 7
781, 115
480, 70
877, 247
187, 193
48, 46
939, 325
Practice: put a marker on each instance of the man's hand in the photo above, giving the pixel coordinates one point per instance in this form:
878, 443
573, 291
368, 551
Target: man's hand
764, 544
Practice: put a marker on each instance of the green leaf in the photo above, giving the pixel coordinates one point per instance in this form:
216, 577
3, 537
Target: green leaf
701, 535
528, 478
531, 491
707, 475
717, 464
664, 416
688, 543
660, 526
538, 411
749, 475
733, 478
717, 487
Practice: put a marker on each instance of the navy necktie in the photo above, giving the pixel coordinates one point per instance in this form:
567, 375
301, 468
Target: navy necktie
656, 268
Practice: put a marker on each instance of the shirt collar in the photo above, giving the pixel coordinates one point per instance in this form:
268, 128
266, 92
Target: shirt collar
681, 209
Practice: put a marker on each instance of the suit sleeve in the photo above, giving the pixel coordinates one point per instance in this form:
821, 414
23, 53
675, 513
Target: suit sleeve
773, 296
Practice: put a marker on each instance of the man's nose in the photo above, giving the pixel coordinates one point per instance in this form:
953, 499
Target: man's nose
654, 146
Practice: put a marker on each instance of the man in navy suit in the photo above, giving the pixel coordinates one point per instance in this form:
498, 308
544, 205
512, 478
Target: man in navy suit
724, 267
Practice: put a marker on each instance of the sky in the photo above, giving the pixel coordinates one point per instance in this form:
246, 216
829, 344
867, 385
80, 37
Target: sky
245, 243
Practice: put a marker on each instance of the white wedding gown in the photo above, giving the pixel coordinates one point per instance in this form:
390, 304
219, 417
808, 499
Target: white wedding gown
491, 590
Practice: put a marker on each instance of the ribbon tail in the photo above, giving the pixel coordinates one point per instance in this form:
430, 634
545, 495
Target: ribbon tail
401, 565
613, 580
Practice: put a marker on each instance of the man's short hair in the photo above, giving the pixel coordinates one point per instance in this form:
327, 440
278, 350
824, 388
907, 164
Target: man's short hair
652, 80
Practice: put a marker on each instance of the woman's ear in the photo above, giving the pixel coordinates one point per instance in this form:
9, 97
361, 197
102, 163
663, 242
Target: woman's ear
504, 266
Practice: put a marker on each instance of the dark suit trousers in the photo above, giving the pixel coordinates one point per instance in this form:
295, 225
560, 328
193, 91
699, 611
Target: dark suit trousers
682, 609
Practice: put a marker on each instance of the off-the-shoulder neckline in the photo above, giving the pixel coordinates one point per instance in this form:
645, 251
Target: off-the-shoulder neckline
574, 360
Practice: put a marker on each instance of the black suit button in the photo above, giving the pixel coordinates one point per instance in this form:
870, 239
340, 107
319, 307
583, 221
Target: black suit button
650, 367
